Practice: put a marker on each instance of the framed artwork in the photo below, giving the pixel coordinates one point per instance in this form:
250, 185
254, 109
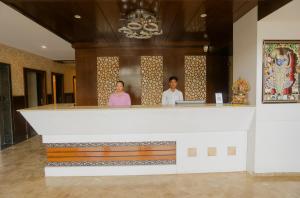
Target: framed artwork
281, 70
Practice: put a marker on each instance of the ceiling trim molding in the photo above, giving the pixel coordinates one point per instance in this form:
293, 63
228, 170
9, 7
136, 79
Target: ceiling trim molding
158, 44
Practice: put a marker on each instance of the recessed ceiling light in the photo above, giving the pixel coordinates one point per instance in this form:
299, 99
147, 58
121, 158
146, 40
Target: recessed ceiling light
77, 16
43, 46
203, 15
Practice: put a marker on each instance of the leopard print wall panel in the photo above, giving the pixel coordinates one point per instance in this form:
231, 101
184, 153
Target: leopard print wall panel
152, 79
195, 77
107, 76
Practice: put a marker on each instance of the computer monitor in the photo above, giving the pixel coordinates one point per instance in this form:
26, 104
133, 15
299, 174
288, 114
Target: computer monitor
191, 102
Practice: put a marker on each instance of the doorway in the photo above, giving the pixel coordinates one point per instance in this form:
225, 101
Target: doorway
35, 87
35, 92
57, 82
6, 132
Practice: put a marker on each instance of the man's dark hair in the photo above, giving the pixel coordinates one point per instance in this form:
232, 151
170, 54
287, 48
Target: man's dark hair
173, 78
122, 82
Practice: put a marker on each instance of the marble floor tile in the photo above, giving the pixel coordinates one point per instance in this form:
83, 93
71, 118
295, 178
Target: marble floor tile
22, 175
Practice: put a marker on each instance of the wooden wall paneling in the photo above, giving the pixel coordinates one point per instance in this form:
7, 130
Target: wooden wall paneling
266, 7
86, 70
69, 98
111, 148
174, 66
111, 154
96, 154
19, 124
101, 18
217, 70
127, 158
217, 77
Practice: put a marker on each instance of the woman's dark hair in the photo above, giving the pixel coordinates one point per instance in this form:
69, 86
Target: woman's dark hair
122, 82
173, 78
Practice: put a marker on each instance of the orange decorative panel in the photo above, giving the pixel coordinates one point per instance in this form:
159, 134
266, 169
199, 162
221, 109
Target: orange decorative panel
111, 154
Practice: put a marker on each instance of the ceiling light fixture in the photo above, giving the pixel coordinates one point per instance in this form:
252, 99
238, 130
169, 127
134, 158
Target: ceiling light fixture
141, 24
43, 46
77, 16
140, 20
203, 15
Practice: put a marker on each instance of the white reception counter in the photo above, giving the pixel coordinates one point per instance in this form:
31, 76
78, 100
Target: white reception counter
90, 141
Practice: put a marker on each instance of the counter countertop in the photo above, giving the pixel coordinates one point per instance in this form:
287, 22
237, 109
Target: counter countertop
71, 106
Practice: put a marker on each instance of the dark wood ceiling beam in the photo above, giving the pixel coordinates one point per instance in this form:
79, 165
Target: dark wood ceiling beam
266, 7
149, 44
171, 16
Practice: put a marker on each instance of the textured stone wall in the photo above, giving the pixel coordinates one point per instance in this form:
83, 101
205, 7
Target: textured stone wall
107, 76
195, 77
18, 59
152, 79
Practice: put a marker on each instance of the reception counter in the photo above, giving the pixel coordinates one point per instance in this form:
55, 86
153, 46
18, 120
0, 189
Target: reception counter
94, 141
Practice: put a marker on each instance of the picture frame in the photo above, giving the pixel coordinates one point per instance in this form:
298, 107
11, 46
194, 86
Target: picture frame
281, 71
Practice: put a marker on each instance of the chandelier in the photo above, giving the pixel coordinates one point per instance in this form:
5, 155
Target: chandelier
141, 24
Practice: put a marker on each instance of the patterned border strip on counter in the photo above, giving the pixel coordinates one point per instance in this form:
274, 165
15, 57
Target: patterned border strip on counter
149, 143
114, 163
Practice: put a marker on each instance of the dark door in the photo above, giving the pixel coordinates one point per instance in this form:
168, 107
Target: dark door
6, 133
57, 87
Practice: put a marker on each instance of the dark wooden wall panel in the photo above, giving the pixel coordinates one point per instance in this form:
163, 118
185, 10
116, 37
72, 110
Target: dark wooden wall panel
19, 123
266, 7
217, 77
86, 69
174, 66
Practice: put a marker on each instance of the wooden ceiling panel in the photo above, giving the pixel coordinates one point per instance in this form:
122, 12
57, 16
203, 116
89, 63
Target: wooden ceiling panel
181, 19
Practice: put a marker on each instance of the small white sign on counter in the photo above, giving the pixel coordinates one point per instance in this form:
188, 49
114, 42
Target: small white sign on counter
219, 98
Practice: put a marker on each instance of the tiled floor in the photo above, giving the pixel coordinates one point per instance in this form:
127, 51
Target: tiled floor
21, 175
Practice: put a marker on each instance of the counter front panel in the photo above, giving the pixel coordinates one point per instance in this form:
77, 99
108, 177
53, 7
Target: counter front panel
142, 140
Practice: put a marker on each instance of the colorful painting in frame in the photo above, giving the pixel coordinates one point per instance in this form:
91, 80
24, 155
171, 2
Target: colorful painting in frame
281, 70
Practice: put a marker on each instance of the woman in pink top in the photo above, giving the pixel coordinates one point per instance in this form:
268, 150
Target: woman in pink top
119, 98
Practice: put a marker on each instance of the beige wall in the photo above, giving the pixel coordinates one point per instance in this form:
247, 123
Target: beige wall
18, 59
244, 51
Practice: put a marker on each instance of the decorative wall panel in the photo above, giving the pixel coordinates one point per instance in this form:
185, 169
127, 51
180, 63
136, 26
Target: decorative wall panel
107, 76
18, 59
152, 79
281, 71
195, 77
111, 153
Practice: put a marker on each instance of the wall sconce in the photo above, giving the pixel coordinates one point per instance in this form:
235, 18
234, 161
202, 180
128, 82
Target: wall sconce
205, 48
